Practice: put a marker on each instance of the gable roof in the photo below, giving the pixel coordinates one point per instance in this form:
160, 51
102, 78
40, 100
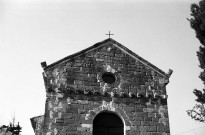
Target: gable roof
116, 44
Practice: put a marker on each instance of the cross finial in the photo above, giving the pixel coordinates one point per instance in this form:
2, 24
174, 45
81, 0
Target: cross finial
109, 34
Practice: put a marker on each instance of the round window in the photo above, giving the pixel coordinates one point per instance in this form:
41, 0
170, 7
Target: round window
108, 77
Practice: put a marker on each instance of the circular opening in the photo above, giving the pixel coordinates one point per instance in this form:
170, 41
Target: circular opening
108, 77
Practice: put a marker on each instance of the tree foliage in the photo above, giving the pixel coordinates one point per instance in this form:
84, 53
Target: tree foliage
11, 129
197, 23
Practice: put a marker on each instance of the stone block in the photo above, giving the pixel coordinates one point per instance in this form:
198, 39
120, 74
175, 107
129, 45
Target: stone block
129, 108
145, 123
81, 129
69, 121
151, 128
157, 133
147, 118
139, 109
72, 133
60, 120
68, 115
148, 109
142, 114
145, 133
152, 115
82, 111
71, 110
160, 128
139, 118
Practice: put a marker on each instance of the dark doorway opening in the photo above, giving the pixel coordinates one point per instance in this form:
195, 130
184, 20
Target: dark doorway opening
107, 124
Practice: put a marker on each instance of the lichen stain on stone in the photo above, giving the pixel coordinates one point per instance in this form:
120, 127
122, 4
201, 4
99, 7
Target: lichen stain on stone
108, 68
49, 125
69, 100
59, 115
55, 131
163, 81
105, 87
51, 114
60, 105
122, 85
164, 121
108, 106
58, 78
48, 133
56, 101
162, 112
87, 116
50, 105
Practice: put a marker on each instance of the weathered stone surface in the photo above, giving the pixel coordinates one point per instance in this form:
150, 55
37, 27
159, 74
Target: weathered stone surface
77, 92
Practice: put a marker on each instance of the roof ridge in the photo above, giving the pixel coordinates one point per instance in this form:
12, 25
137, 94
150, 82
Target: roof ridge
134, 55
79, 52
121, 47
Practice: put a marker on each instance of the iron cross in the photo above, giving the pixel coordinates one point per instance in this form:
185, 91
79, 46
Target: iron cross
109, 34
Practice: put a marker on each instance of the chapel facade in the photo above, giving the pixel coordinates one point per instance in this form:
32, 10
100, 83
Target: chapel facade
105, 89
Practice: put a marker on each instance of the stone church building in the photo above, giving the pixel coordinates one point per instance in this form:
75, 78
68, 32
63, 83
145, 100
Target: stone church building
105, 89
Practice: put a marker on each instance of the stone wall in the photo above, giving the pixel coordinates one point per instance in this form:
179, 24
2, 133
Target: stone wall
77, 92
74, 116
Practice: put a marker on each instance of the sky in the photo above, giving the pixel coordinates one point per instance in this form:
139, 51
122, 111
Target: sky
33, 31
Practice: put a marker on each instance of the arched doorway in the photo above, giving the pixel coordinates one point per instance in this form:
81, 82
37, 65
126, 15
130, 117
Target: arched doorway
107, 123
